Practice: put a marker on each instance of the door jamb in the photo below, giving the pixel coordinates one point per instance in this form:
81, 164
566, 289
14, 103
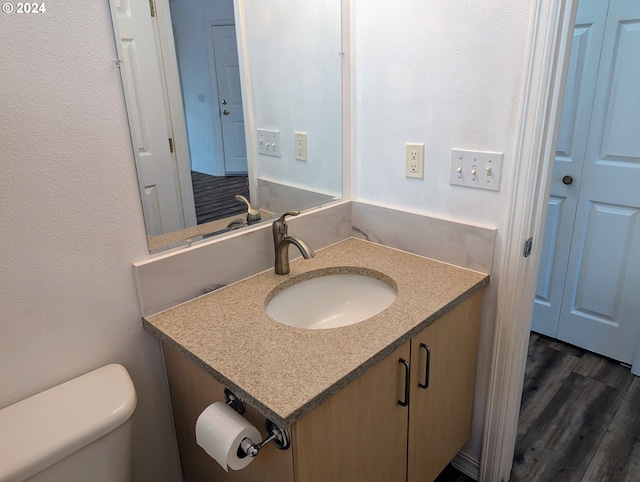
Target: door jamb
247, 101
176, 121
533, 166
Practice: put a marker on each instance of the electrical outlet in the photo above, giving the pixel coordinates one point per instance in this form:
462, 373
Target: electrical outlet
414, 160
477, 169
301, 146
269, 142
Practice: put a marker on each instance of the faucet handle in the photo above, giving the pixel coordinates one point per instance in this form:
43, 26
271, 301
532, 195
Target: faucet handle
280, 226
253, 215
288, 213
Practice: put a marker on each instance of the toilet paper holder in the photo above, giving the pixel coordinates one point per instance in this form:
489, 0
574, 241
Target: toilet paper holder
275, 434
234, 402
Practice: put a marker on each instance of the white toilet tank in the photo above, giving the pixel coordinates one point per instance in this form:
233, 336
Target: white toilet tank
77, 431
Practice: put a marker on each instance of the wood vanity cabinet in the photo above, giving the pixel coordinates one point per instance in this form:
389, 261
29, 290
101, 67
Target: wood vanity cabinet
362, 433
440, 416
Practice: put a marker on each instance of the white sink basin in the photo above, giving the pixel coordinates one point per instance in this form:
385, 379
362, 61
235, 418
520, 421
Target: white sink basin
331, 301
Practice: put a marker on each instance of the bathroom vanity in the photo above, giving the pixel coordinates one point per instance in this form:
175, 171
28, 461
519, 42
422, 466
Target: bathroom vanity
386, 399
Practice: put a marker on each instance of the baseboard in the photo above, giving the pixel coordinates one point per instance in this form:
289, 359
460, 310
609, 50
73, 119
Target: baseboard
466, 464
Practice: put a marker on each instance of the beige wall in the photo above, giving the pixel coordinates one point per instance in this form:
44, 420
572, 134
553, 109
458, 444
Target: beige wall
71, 221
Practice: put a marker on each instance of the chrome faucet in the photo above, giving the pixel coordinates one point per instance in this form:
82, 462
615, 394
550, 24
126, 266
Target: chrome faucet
281, 242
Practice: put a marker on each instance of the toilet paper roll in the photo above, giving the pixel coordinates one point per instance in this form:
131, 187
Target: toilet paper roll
219, 431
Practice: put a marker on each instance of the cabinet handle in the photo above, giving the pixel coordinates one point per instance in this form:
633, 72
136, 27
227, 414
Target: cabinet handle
406, 383
426, 368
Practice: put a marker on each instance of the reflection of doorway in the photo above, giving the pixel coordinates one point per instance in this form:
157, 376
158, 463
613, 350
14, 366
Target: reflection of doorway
227, 74
209, 75
589, 278
210, 92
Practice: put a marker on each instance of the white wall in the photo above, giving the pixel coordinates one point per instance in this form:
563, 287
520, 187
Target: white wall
292, 49
71, 221
449, 75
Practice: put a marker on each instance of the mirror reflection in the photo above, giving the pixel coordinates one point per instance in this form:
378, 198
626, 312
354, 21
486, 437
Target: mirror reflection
235, 110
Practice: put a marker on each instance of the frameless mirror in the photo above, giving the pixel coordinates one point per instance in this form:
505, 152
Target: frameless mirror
235, 110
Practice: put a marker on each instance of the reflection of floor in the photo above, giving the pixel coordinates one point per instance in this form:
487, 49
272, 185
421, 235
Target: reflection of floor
214, 196
579, 419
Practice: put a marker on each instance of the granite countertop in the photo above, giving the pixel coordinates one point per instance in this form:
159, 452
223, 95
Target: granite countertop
174, 237
286, 372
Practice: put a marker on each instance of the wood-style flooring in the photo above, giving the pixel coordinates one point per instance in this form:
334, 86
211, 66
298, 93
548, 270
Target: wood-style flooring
579, 419
214, 196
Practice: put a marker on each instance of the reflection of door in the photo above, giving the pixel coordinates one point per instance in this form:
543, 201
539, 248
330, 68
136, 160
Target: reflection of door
588, 291
225, 51
142, 78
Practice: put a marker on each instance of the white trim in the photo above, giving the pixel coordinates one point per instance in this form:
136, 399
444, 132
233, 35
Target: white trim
247, 101
346, 99
635, 368
550, 48
176, 123
467, 464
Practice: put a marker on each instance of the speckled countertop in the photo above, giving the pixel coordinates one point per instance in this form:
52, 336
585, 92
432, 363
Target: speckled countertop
286, 372
175, 237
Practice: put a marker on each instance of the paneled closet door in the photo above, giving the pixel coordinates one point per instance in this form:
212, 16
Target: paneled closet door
569, 161
601, 303
589, 282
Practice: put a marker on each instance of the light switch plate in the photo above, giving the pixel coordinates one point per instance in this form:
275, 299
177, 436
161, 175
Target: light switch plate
269, 142
478, 169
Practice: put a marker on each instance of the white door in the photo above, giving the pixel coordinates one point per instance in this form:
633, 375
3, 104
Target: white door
225, 51
589, 283
569, 161
142, 79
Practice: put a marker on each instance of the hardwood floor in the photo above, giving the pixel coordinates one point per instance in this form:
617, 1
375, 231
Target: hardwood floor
214, 196
579, 419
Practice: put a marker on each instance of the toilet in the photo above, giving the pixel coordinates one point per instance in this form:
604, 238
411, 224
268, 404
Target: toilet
77, 431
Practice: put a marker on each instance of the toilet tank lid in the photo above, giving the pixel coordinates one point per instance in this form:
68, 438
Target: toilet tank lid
47, 427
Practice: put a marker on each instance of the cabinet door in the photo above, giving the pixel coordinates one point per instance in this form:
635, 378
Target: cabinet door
440, 415
359, 434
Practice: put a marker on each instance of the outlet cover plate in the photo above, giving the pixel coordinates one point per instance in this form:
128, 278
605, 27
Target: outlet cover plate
301, 146
414, 160
478, 169
269, 142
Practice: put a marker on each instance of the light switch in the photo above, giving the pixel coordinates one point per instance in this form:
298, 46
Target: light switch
269, 142
476, 169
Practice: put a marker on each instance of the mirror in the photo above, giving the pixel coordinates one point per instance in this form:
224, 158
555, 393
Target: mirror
231, 100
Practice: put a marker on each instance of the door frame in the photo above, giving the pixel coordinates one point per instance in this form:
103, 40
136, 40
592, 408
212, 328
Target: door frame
548, 57
177, 119
247, 101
